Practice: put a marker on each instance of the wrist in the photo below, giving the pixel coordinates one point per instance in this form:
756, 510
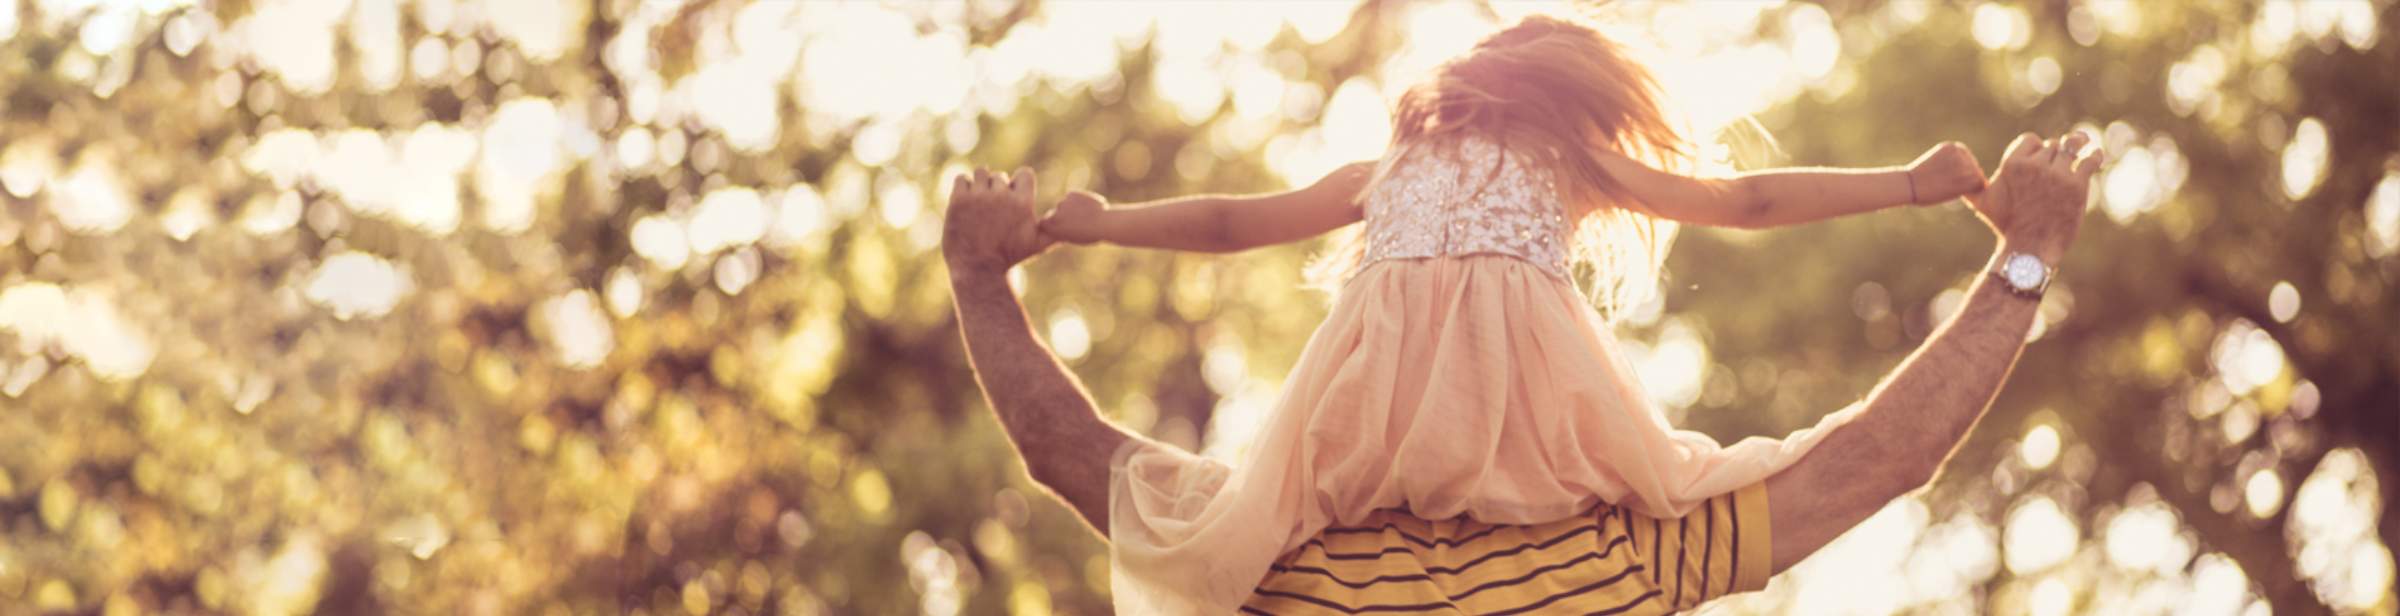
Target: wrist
964, 267
2050, 249
1107, 226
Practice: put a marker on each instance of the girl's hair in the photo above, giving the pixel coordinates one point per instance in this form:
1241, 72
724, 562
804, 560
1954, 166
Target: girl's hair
1554, 91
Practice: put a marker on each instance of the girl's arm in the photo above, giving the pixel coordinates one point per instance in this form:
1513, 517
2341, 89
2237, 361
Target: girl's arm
1778, 197
1214, 223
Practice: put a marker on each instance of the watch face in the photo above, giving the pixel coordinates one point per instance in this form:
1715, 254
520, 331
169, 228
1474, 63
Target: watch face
2023, 272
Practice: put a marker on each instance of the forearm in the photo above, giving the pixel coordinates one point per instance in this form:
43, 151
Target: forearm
1200, 223
1042, 407
1909, 425
1781, 197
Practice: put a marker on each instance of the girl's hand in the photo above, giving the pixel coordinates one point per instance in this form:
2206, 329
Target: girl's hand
1948, 171
1077, 219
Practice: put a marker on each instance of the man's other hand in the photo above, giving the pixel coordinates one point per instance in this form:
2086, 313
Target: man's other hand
2036, 199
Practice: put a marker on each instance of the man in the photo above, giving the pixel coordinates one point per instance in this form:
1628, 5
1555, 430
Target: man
1613, 560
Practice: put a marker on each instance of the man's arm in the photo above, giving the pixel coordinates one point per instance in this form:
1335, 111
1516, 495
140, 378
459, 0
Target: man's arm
1912, 421
1043, 407
1066, 445
1910, 424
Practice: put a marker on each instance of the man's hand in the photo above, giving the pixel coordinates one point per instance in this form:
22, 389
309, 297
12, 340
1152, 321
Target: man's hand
991, 224
2036, 200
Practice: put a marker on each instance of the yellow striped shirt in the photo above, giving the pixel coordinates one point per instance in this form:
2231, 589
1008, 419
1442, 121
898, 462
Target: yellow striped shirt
1610, 561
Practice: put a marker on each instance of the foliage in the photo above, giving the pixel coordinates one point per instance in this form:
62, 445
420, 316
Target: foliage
546, 306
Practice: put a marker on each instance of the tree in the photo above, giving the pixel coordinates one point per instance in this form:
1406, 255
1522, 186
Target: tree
500, 307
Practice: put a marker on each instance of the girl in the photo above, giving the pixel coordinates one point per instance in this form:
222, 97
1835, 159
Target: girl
1460, 371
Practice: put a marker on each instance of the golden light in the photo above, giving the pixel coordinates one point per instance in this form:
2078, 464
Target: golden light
355, 284
2147, 537
2263, 493
2040, 447
2383, 216
2039, 535
2304, 159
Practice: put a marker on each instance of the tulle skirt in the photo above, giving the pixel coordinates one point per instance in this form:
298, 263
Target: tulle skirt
1476, 385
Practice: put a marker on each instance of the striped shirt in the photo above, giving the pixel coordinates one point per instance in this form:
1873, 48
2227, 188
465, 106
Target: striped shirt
1610, 561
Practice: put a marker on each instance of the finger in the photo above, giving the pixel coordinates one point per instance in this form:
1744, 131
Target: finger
1020, 185
2072, 147
2027, 145
958, 186
2091, 162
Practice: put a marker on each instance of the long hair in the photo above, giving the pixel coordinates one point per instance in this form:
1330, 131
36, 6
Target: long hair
1555, 91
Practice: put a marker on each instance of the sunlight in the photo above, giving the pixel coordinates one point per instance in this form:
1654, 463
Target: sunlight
2039, 535
501, 254
657, 238
2283, 302
2218, 587
82, 323
2246, 358
2333, 518
2263, 493
293, 39
624, 292
800, 218
2001, 27
426, 187
726, 218
2383, 216
186, 214
1437, 32
2192, 82
93, 199
521, 153
355, 284
1813, 44
2040, 447
846, 71
25, 166
2142, 177
2304, 159
1673, 368
1955, 556
1877, 548
2051, 597
2147, 537
578, 332
286, 583
1068, 334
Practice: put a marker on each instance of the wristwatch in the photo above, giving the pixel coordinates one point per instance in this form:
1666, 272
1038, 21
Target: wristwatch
2024, 274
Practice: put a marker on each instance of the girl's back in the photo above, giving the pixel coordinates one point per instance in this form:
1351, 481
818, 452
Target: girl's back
1460, 371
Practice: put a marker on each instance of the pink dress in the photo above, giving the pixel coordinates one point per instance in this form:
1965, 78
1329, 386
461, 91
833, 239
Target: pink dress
1460, 371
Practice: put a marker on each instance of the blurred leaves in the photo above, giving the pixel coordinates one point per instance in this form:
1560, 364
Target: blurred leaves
551, 306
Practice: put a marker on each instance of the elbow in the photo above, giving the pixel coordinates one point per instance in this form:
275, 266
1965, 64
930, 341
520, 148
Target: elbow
1223, 235
1752, 208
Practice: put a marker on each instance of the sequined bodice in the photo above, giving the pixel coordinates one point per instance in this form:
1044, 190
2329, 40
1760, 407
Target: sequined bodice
1474, 198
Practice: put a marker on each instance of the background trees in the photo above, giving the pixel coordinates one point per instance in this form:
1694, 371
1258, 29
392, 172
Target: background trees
536, 305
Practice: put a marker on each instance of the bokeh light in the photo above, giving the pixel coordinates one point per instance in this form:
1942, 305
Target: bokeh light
530, 306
